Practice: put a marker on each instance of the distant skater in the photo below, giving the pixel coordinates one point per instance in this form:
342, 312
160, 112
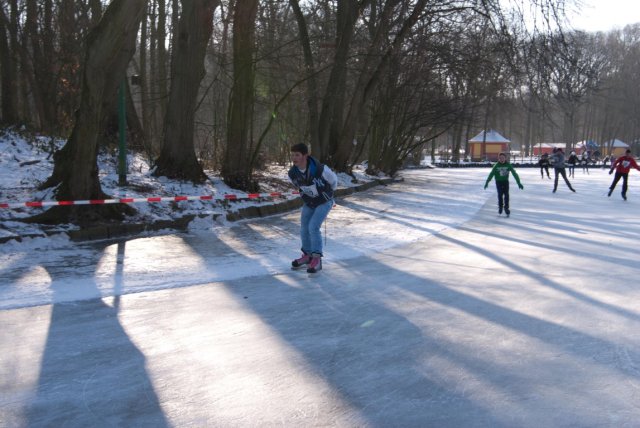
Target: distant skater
316, 183
572, 161
544, 165
585, 162
501, 172
557, 159
622, 165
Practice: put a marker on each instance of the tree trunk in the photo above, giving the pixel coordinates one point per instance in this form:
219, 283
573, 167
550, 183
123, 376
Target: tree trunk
96, 12
332, 112
41, 38
65, 84
109, 49
312, 85
9, 89
178, 158
236, 170
135, 134
370, 78
26, 82
162, 78
16, 49
34, 53
152, 76
145, 103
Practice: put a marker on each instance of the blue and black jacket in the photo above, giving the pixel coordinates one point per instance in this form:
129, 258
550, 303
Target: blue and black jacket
315, 190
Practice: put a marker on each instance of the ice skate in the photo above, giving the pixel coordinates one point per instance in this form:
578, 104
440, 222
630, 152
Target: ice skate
315, 264
301, 261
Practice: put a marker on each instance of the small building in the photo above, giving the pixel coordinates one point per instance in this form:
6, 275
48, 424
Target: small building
615, 148
487, 147
542, 148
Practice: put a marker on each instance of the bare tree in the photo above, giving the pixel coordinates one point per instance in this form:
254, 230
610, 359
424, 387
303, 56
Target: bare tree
178, 158
236, 169
312, 81
143, 76
161, 65
334, 99
110, 47
8, 47
574, 71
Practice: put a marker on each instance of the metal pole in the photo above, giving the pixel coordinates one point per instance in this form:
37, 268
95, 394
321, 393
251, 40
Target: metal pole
122, 146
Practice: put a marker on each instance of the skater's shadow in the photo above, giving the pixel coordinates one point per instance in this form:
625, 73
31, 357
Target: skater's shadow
392, 344
91, 372
374, 360
368, 354
375, 328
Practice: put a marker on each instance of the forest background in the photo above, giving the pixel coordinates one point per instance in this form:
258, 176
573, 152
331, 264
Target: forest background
230, 85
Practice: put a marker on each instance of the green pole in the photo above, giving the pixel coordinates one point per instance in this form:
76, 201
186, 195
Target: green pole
122, 146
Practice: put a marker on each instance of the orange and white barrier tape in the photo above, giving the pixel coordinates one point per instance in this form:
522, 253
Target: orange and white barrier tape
224, 197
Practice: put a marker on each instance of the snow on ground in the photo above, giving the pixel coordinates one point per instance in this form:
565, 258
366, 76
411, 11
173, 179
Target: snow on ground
360, 224
27, 161
213, 250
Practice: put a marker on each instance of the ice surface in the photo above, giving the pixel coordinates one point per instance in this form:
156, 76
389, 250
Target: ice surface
431, 310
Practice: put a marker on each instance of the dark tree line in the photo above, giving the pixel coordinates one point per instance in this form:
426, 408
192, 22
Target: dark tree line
230, 84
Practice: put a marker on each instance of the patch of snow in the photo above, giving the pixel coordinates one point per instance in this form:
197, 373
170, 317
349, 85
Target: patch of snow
27, 162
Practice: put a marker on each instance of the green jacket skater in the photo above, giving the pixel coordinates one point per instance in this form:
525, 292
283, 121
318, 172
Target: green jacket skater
501, 172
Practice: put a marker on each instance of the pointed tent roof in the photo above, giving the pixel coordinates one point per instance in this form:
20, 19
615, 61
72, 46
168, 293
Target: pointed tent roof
492, 137
589, 144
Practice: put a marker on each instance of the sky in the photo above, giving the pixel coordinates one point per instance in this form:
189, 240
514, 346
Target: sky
605, 15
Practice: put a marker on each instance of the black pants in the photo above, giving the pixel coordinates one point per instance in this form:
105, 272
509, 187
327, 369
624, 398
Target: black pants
585, 167
625, 177
563, 173
503, 194
544, 168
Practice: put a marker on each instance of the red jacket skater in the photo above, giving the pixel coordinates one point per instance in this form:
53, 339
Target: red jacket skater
624, 164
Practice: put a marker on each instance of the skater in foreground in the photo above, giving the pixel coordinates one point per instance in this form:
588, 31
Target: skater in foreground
622, 165
316, 183
501, 172
558, 161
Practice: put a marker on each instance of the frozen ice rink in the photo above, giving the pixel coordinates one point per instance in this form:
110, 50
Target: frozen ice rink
431, 311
